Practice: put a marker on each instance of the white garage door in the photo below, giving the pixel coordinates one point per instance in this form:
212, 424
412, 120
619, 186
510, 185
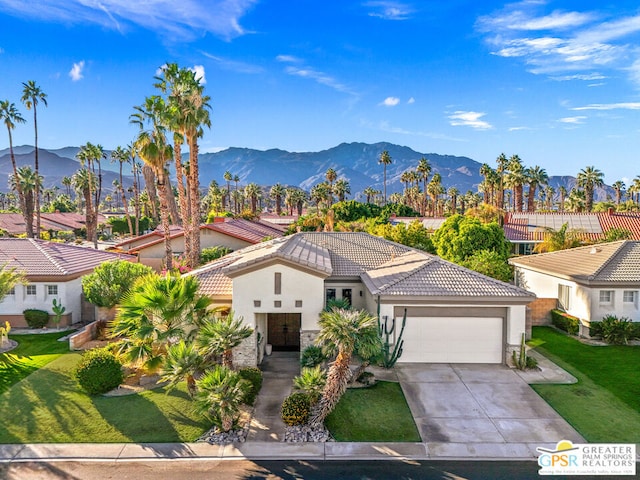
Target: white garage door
452, 340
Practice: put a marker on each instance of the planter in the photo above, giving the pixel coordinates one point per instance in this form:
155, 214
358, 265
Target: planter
105, 314
268, 348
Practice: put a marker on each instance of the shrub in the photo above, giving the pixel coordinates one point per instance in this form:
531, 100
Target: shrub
99, 371
36, 318
312, 356
212, 253
111, 280
566, 322
595, 329
254, 376
617, 331
532, 362
311, 381
295, 409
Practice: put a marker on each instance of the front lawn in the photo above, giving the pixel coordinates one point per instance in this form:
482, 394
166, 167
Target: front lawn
33, 352
375, 414
604, 406
48, 406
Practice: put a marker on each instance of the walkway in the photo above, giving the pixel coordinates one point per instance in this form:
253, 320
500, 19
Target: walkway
278, 371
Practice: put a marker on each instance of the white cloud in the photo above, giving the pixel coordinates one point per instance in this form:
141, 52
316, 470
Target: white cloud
233, 65
585, 77
573, 120
288, 59
176, 20
386, 127
76, 71
469, 119
610, 106
199, 73
389, 10
411, 101
517, 129
318, 76
390, 102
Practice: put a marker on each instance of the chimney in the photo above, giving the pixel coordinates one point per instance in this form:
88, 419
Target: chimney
218, 219
610, 211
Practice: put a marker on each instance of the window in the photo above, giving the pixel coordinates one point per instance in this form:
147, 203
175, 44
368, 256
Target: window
52, 290
564, 296
12, 292
31, 290
257, 303
298, 303
606, 297
330, 294
277, 283
630, 296
277, 304
346, 295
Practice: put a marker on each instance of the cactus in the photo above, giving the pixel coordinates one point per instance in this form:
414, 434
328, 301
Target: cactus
390, 356
58, 311
520, 357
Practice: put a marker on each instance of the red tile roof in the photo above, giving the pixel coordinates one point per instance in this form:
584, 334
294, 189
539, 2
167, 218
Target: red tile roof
14, 224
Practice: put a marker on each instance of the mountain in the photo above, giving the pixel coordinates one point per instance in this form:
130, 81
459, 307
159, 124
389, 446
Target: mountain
357, 162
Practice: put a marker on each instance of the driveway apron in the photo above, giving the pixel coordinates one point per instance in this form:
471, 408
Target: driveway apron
470, 403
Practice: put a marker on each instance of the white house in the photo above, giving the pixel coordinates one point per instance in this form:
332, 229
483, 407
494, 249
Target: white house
587, 282
53, 271
280, 287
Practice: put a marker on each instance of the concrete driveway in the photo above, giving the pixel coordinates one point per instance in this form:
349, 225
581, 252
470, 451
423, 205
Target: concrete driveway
470, 403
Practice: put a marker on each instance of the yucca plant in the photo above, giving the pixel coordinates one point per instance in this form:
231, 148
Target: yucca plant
183, 361
219, 335
311, 381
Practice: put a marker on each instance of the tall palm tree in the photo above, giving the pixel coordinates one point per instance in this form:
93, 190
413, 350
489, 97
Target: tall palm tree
220, 335
32, 94
253, 192
89, 155
342, 189
236, 179
122, 156
385, 159
153, 149
227, 178
370, 193
136, 169
277, 192
485, 171
343, 331
435, 189
331, 176
66, 181
10, 117
562, 191
85, 182
516, 178
320, 193
576, 200
535, 176
502, 163
589, 178
550, 192
453, 193
26, 180
618, 186
422, 172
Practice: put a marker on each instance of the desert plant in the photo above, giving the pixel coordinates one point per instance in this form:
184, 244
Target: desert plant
218, 336
311, 381
36, 318
220, 394
295, 409
99, 371
4, 333
390, 355
254, 376
212, 253
617, 331
566, 322
521, 360
183, 361
340, 303
109, 281
58, 311
312, 356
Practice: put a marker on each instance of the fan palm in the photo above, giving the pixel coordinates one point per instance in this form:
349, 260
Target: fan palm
219, 336
385, 159
183, 361
535, 176
277, 192
560, 239
220, 393
122, 156
9, 278
589, 178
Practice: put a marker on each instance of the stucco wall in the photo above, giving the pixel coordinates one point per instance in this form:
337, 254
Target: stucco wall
358, 300
209, 238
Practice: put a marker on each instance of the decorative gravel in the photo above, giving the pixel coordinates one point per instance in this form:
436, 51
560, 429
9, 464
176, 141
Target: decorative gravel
305, 433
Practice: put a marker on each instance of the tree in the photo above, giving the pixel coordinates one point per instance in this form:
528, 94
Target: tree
122, 156
31, 96
370, 193
320, 193
575, 202
110, 281
385, 159
183, 361
253, 192
227, 178
589, 178
560, 239
562, 191
10, 117
435, 189
516, 178
618, 186
84, 182
489, 263
277, 192
220, 392
502, 163
342, 189
343, 331
423, 170
220, 335
9, 278
90, 155
27, 181
535, 176
453, 193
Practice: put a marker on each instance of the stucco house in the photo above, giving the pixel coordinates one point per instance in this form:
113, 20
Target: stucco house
587, 282
233, 233
280, 287
53, 270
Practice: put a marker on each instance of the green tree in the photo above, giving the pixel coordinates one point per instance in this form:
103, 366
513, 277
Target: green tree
342, 189
413, 235
618, 186
276, 193
9, 278
27, 181
560, 239
110, 281
183, 362
515, 179
589, 178
220, 335
220, 393
491, 264
122, 156
253, 192
535, 176
385, 159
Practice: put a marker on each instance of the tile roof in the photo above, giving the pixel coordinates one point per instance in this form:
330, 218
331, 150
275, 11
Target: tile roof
605, 262
385, 267
41, 258
14, 224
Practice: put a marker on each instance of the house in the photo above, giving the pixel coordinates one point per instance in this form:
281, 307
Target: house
525, 229
430, 223
280, 287
587, 282
233, 233
53, 271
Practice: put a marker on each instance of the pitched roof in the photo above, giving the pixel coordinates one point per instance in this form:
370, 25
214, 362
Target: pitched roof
36, 258
14, 223
605, 262
385, 267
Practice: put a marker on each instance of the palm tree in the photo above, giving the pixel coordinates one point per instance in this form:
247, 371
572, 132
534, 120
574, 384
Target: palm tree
342, 189
227, 178
435, 189
502, 163
385, 159
31, 96
562, 191
320, 193
485, 171
343, 331
85, 182
423, 170
11, 116
618, 186
253, 192
9, 278
183, 361
136, 168
516, 178
122, 156
27, 181
295, 199
453, 193
89, 155
535, 176
576, 200
549, 192
219, 396
220, 335
66, 181
589, 178
331, 177
153, 149
561, 239
370, 193
277, 192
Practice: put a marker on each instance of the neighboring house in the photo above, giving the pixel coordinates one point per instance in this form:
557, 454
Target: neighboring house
430, 223
525, 229
53, 270
587, 282
282, 221
280, 287
13, 223
233, 233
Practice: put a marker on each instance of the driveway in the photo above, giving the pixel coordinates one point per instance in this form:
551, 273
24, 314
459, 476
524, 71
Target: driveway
471, 403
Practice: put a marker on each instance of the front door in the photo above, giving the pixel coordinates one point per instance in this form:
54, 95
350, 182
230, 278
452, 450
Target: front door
283, 331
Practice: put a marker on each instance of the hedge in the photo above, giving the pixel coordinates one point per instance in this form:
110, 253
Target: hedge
566, 322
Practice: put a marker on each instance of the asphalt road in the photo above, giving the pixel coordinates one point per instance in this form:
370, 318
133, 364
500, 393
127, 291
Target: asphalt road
273, 470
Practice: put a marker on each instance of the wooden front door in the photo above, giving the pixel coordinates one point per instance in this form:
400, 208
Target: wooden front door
283, 331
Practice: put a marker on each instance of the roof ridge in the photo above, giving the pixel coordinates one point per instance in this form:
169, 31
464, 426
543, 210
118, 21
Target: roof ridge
40, 247
402, 276
606, 263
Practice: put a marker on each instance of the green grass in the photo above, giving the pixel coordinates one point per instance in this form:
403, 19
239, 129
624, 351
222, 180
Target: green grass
48, 406
604, 406
32, 353
376, 414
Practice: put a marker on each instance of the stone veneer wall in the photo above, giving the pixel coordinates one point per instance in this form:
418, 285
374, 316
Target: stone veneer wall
246, 354
88, 333
307, 338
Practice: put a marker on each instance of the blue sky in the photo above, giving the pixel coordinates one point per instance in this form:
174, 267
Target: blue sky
556, 82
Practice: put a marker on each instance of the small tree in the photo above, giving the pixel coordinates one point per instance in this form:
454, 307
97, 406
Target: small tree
218, 336
220, 393
9, 278
108, 283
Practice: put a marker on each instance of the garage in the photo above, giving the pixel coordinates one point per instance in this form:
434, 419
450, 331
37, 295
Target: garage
449, 338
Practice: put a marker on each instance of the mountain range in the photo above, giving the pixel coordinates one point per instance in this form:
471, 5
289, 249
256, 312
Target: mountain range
357, 162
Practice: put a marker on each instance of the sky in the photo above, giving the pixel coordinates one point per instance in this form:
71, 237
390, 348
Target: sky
555, 82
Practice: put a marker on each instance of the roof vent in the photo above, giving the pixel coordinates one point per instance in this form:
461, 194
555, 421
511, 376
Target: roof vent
594, 250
